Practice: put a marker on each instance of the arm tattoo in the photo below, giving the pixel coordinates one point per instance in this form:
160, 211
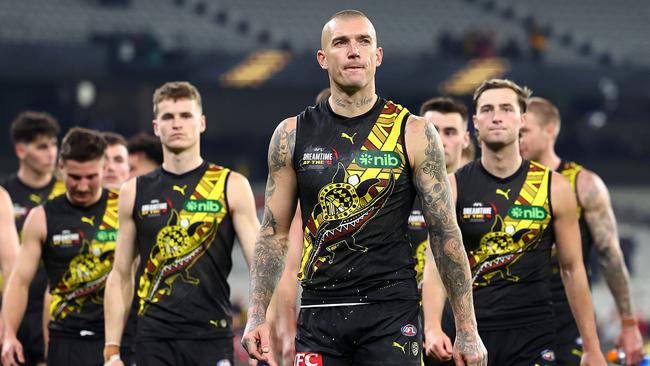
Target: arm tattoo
270, 247
281, 147
444, 234
602, 225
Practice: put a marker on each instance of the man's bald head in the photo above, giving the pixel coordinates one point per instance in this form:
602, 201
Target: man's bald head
343, 15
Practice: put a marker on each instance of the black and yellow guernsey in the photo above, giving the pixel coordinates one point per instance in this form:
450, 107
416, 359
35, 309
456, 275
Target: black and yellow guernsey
570, 170
356, 193
507, 233
24, 199
78, 254
185, 237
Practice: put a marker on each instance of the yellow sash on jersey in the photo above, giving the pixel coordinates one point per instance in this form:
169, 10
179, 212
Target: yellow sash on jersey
514, 232
87, 272
57, 190
187, 236
570, 170
355, 194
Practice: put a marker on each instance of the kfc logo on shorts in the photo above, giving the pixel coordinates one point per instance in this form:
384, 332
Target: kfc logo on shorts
308, 359
409, 330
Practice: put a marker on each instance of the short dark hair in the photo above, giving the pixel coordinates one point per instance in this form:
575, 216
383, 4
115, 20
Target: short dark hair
82, 145
148, 145
113, 139
29, 125
349, 13
445, 105
175, 90
523, 93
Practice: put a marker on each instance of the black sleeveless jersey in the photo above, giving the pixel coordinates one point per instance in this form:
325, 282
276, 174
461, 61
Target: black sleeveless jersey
570, 170
356, 194
507, 233
24, 199
185, 237
78, 254
419, 237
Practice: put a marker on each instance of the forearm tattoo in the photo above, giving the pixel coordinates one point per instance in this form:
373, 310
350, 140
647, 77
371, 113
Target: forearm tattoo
602, 225
270, 247
444, 234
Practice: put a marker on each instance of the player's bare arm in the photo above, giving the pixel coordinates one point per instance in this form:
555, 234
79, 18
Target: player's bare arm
118, 294
572, 269
272, 239
432, 184
594, 198
9, 241
242, 209
16, 294
436, 344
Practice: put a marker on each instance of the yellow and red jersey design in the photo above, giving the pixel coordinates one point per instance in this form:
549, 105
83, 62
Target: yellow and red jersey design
87, 272
513, 233
189, 233
355, 194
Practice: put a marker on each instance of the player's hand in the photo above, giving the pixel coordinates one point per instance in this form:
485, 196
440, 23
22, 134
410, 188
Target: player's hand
112, 355
256, 343
12, 351
632, 344
593, 358
469, 349
288, 344
2, 331
437, 345
114, 362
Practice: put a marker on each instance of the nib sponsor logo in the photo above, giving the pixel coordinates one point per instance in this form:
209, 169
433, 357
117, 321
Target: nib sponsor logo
379, 159
208, 206
106, 235
308, 359
519, 212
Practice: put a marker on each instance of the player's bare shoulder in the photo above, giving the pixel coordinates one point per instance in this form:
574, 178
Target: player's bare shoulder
562, 196
591, 190
420, 137
282, 144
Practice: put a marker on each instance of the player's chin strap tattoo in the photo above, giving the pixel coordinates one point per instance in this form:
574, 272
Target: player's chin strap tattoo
446, 244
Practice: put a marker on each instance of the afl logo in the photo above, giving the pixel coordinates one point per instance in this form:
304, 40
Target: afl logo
409, 330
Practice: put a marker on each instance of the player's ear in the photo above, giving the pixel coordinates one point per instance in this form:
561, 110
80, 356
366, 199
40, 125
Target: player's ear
379, 55
322, 59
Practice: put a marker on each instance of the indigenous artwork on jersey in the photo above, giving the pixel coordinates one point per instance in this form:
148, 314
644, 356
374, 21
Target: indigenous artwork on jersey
515, 232
355, 194
188, 235
87, 272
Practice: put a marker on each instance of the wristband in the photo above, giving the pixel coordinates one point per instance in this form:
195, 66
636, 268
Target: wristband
111, 360
628, 322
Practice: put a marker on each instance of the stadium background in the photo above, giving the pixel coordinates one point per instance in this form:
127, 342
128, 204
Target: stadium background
95, 63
